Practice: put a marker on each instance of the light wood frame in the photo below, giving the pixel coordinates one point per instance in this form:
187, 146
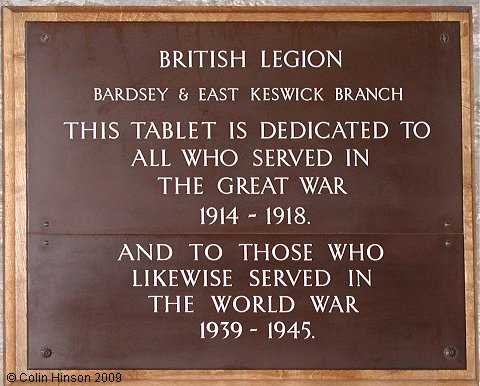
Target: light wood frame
14, 186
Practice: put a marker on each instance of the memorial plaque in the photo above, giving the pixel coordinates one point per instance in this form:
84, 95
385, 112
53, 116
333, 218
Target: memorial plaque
245, 193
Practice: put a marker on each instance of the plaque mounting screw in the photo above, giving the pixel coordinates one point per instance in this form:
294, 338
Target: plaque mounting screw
444, 38
46, 224
46, 352
46, 242
447, 225
45, 38
448, 243
449, 352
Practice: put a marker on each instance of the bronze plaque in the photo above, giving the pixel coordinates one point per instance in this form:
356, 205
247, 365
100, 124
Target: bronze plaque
297, 142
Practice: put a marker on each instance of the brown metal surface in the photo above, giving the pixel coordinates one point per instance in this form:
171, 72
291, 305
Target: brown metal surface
83, 306
89, 187
86, 201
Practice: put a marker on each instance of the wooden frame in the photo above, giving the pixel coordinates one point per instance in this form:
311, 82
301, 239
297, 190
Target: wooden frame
14, 204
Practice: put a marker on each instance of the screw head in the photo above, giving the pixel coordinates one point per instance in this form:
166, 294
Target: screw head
447, 225
46, 242
45, 38
448, 243
444, 38
449, 352
46, 224
46, 352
